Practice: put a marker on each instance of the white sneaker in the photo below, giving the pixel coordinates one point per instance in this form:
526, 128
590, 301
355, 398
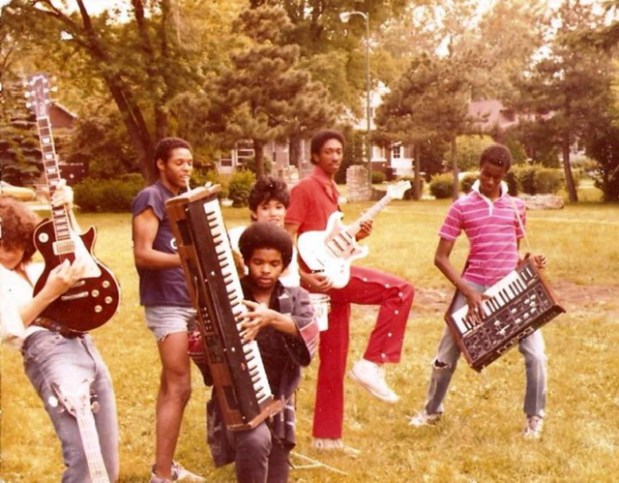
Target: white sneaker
371, 376
424, 419
327, 444
179, 473
533, 427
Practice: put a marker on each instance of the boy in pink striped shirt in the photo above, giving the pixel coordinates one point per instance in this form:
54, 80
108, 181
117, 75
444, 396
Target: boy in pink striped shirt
488, 217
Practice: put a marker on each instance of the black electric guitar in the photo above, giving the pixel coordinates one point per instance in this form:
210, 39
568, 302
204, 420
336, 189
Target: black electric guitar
95, 298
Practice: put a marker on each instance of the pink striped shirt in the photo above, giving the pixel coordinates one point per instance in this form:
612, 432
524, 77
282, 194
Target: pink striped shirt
493, 232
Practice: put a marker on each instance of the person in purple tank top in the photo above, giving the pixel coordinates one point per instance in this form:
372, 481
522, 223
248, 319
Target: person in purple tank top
167, 305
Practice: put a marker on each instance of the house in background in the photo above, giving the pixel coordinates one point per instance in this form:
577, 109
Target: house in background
487, 116
62, 121
491, 115
20, 146
243, 153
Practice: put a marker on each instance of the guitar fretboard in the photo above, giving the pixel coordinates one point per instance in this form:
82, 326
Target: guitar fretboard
52, 174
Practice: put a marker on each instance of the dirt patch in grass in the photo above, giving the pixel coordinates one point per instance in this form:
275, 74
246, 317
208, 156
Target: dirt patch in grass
573, 298
587, 298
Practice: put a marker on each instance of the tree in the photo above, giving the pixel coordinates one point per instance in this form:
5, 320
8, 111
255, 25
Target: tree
429, 103
20, 155
142, 64
568, 88
264, 95
602, 145
506, 37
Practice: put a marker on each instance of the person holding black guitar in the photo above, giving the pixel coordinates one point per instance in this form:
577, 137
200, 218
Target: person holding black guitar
63, 365
312, 202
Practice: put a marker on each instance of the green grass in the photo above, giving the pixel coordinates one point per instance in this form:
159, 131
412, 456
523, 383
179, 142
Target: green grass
478, 440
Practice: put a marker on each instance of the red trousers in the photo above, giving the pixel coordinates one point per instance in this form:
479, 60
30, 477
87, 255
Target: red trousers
366, 287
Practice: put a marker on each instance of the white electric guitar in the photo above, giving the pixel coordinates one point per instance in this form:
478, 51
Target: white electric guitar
331, 252
78, 403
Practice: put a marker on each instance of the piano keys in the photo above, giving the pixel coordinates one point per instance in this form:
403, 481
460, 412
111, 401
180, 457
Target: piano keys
236, 367
520, 303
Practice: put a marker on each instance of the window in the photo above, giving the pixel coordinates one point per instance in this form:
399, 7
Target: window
396, 151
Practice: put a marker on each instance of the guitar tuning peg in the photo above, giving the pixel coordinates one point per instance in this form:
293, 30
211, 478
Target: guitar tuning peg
28, 105
27, 94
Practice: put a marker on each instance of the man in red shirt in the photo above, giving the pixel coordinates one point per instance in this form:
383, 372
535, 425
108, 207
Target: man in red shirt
312, 201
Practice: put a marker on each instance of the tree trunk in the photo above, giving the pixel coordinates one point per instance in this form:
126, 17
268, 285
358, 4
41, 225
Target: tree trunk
417, 171
294, 150
259, 157
570, 185
454, 167
136, 126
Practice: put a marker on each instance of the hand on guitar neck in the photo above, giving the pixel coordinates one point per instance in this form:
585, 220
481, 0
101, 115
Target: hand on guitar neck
365, 229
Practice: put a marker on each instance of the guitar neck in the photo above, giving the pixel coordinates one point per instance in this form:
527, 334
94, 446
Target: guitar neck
60, 214
92, 448
354, 228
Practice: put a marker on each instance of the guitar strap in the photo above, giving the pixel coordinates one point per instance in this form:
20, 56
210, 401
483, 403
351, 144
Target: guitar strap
520, 223
54, 326
333, 195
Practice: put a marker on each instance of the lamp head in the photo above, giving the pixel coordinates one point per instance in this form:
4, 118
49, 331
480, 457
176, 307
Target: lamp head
345, 16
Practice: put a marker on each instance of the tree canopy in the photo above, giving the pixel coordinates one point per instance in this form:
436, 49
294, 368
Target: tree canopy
219, 72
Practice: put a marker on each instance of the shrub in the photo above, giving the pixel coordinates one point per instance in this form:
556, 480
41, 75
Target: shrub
469, 149
378, 177
408, 194
466, 183
525, 177
267, 164
512, 183
240, 186
111, 195
549, 180
536, 179
202, 177
441, 185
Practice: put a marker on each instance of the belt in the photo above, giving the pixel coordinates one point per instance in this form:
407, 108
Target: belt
56, 327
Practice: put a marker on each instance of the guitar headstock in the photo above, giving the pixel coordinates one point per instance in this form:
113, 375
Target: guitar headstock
397, 190
38, 94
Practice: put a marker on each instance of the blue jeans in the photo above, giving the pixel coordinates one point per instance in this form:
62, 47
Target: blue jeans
448, 353
260, 458
58, 365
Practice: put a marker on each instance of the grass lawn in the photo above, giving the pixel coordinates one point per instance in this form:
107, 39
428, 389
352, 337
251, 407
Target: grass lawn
479, 438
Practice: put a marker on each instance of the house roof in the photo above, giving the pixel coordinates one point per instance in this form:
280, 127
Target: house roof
491, 113
62, 108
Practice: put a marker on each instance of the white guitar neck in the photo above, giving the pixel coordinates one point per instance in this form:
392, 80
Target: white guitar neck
77, 402
354, 228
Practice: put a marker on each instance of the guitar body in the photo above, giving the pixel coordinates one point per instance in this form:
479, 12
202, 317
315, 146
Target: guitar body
94, 299
332, 251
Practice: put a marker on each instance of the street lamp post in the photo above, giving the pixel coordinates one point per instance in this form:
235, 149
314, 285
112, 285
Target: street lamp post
345, 17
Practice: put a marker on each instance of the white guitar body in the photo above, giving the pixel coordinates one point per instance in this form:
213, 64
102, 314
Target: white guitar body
77, 402
331, 252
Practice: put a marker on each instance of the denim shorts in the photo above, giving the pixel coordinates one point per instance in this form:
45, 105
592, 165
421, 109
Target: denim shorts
164, 320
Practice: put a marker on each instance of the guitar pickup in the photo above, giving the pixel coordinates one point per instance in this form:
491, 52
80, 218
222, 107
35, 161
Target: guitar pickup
76, 296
